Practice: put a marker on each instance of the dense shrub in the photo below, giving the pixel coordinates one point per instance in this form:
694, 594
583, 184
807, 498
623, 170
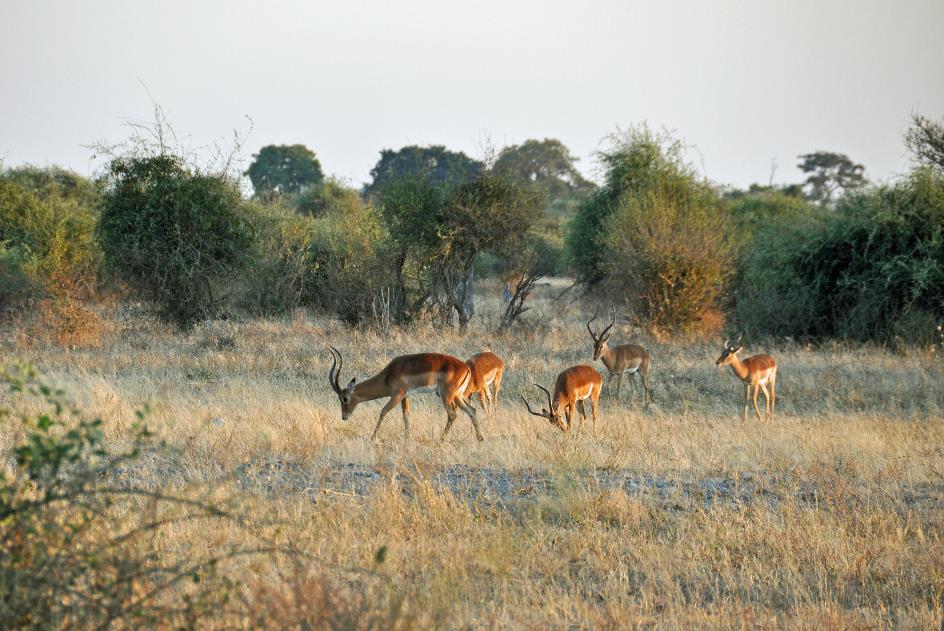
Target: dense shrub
349, 264
872, 271
47, 239
670, 254
636, 161
655, 236
273, 281
174, 235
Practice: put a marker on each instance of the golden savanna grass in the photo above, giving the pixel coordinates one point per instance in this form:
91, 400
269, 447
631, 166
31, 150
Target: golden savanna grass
831, 516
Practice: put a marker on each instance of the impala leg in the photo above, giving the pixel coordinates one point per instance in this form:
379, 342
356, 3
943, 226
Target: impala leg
491, 401
392, 403
405, 405
497, 385
594, 399
646, 397
483, 400
632, 387
451, 401
767, 401
568, 414
756, 392
747, 399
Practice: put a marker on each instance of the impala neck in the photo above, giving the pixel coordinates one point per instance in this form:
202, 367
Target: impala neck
739, 368
608, 357
373, 388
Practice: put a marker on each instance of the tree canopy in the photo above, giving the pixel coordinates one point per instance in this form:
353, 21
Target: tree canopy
435, 165
545, 165
828, 173
284, 169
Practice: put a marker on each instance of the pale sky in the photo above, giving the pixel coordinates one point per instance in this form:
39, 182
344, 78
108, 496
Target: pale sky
744, 82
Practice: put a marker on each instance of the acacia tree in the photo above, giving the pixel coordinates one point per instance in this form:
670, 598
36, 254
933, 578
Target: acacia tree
925, 140
828, 173
284, 169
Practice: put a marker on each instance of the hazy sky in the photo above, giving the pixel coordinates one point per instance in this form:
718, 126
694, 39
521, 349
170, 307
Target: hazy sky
744, 82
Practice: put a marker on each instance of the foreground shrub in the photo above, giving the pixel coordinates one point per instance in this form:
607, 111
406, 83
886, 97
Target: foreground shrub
872, 271
70, 555
173, 234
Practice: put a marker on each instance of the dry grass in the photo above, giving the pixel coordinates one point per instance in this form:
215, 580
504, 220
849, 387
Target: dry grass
843, 526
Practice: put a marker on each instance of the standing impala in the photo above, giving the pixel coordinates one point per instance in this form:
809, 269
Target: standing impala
487, 369
630, 358
572, 388
757, 371
426, 372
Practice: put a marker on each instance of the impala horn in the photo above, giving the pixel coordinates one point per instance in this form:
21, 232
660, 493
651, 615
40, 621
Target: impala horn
335, 372
595, 313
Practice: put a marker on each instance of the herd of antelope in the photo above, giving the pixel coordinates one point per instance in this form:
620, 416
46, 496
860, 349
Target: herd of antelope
456, 381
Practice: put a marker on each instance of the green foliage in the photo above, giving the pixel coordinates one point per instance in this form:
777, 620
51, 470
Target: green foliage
545, 166
435, 166
873, 271
284, 170
47, 234
172, 234
752, 211
438, 234
330, 196
636, 161
670, 253
274, 279
66, 558
349, 263
829, 173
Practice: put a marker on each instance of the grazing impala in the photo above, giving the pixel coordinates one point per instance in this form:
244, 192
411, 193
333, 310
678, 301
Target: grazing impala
757, 371
572, 387
619, 359
487, 369
426, 372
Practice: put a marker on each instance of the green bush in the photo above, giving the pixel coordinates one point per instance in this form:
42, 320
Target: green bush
874, 270
174, 235
636, 161
47, 237
670, 254
349, 264
273, 282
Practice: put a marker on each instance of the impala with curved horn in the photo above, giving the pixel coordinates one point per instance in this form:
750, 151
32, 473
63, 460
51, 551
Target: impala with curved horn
630, 358
487, 370
572, 388
425, 372
757, 371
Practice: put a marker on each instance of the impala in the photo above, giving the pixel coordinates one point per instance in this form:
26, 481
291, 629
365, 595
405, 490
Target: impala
757, 371
425, 372
630, 358
487, 369
572, 388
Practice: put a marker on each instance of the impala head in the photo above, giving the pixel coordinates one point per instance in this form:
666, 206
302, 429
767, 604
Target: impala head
599, 341
729, 353
345, 395
552, 412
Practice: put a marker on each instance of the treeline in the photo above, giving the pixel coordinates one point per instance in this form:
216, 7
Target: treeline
831, 257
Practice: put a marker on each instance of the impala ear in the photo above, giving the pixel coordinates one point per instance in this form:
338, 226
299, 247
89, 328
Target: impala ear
351, 384
738, 349
544, 411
